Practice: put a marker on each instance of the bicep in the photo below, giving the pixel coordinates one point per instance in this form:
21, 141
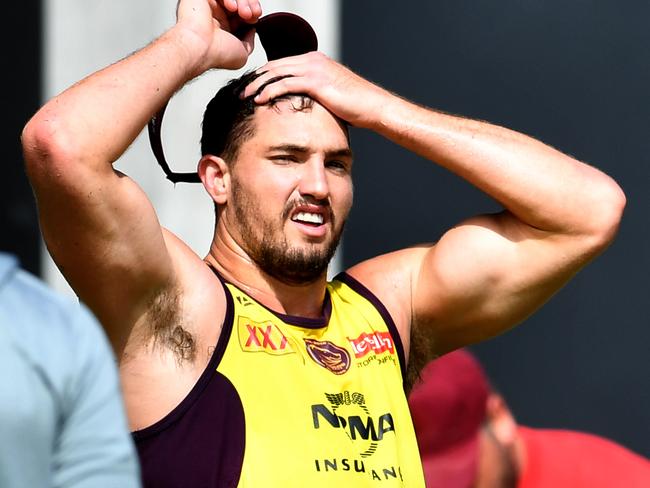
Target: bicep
485, 276
104, 235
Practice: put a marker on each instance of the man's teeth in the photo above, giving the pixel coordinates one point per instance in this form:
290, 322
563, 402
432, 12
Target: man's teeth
312, 218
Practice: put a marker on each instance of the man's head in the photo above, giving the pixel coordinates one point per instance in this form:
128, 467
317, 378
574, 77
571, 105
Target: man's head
227, 120
279, 174
465, 431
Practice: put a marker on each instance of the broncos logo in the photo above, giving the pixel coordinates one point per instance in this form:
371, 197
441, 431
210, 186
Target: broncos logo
328, 355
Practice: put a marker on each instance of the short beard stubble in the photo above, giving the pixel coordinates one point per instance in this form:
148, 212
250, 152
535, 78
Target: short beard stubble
266, 245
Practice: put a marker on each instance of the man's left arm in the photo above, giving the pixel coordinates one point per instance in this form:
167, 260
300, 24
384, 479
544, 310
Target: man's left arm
490, 272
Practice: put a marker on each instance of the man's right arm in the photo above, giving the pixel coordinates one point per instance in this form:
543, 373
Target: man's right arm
99, 226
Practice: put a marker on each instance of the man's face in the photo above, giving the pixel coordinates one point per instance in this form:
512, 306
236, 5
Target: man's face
291, 191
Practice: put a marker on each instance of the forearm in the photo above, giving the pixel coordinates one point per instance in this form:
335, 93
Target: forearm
541, 186
99, 117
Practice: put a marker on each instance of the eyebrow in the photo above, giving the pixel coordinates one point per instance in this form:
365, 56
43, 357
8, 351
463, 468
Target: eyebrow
294, 148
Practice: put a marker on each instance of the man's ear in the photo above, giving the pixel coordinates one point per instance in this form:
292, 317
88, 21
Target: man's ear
215, 175
500, 420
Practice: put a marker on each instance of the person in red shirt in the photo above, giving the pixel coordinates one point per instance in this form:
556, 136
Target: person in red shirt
468, 437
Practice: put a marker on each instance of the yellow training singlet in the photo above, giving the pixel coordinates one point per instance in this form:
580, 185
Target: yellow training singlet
294, 402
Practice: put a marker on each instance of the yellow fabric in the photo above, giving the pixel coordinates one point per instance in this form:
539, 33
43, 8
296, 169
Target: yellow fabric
335, 417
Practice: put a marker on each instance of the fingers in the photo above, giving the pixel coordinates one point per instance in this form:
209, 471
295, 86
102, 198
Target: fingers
256, 8
345, 94
247, 10
295, 66
283, 86
230, 5
228, 13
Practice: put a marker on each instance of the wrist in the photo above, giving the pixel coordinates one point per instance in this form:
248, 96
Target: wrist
383, 111
190, 50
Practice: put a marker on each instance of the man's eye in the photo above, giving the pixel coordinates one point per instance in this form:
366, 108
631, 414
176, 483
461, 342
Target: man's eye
284, 158
338, 165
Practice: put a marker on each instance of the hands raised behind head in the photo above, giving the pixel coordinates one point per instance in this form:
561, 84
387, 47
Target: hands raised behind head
344, 93
210, 24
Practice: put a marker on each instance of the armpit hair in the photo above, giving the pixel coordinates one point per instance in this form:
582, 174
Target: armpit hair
166, 325
420, 353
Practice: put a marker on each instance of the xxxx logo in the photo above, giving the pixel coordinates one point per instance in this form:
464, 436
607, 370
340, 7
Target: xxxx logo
262, 337
377, 342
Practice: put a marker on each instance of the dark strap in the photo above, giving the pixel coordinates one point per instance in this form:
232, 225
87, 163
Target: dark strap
155, 139
281, 34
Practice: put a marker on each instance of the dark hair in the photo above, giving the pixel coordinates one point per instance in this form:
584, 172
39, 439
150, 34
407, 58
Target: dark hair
227, 118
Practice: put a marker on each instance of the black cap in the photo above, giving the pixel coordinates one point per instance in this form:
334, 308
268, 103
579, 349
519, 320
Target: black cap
282, 34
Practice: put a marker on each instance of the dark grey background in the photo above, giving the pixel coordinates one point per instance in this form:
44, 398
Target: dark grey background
575, 75
21, 83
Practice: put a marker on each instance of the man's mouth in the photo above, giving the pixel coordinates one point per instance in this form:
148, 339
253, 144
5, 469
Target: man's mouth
308, 218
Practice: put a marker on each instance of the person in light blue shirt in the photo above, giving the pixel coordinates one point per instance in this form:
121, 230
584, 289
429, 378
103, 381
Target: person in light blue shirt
62, 421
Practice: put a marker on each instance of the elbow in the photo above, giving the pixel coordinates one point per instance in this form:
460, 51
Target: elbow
606, 215
47, 148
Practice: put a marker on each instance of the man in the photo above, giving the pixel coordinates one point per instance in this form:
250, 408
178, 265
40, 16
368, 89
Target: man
62, 420
302, 366
469, 438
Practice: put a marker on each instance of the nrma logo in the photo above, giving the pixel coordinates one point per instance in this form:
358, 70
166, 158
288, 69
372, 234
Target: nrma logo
348, 412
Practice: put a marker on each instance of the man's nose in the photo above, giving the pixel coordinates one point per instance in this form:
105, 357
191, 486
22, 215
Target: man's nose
313, 180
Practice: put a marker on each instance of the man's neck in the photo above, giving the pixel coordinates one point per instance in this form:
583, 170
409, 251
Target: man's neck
236, 267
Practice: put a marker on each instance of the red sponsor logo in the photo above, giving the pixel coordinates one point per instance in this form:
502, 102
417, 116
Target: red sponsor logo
262, 337
377, 342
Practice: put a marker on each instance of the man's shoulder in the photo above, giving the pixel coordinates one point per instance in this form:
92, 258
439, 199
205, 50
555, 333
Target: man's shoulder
390, 276
398, 265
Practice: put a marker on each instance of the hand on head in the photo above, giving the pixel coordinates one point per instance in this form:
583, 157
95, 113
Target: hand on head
342, 92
